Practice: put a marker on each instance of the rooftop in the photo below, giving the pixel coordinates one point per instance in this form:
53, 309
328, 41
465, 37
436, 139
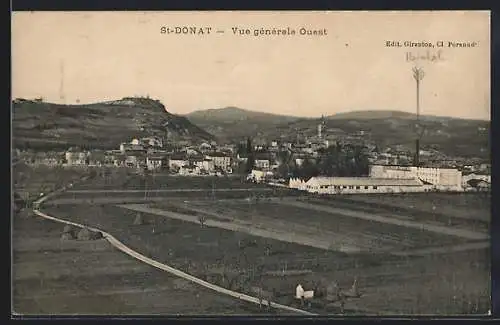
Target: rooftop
362, 181
217, 154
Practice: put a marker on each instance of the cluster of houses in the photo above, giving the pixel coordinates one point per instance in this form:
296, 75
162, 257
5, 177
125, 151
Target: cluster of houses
387, 173
145, 153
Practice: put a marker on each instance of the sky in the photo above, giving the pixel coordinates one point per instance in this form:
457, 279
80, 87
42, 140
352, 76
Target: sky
85, 57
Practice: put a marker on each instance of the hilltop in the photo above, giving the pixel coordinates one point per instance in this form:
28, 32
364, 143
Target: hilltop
38, 124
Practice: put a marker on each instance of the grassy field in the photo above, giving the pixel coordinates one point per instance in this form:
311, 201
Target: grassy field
52, 276
390, 284
468, 210
445, 283
364, 234
136, 181
30, 181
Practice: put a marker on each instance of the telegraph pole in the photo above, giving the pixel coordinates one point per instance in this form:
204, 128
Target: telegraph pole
418, 75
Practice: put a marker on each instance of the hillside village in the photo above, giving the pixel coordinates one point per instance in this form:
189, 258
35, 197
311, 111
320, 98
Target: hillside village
269, 159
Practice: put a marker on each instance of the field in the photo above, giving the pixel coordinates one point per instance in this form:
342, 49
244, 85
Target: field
29, 182
153, 181
461, 209
409, 254
52, 276
391, 284
333, 229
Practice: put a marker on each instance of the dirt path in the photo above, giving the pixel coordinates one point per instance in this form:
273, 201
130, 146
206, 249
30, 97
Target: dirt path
122, 247
404, 223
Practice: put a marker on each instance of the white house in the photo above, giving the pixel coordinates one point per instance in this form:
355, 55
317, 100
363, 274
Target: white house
189, 170
204, 164
355, 185
155, 162
258, 176
220, 160
263, 163
177, 161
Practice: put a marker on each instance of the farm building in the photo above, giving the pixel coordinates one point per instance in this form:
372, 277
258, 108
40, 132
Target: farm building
154, 162
440, 178
355, 185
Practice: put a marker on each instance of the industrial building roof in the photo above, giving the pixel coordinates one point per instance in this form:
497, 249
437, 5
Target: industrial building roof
362, 181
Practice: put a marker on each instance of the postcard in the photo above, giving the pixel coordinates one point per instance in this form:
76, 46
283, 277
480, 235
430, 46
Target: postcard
259, 163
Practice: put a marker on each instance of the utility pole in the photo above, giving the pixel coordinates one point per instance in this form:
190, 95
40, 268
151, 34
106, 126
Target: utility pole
418, 75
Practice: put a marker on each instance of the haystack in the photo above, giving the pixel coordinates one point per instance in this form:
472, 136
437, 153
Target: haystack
87, 234
68, 233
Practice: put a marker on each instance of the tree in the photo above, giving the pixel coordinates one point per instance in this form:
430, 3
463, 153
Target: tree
250, 156
343, 160
202, 220
285, 163
138, 219
308, 169
241, 149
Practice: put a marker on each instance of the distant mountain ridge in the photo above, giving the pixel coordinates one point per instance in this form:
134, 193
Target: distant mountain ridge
102, 125
230, 123
386, 114
453, 136
232, 113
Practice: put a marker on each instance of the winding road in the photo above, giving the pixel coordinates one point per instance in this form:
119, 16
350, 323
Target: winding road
122, 247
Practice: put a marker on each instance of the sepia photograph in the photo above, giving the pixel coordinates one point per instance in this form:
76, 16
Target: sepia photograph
256, 163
